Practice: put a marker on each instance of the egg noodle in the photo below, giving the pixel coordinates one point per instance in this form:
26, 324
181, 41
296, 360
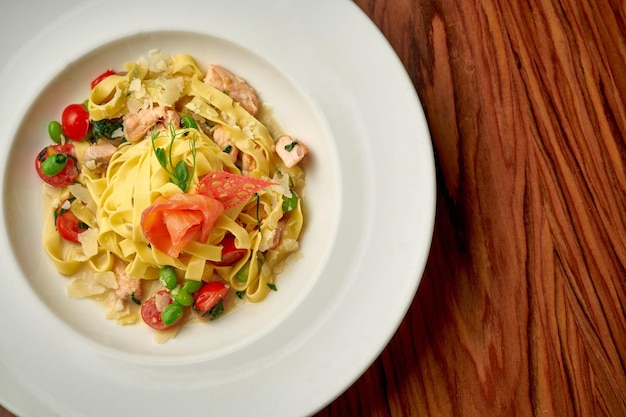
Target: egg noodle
111, 203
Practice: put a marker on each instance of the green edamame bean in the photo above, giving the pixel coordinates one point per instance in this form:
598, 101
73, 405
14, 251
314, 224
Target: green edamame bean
187, 122
171, 314
167, 276
182, 297
55, 130
192, 286
54, 164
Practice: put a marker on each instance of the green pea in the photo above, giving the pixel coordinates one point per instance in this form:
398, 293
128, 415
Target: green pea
192, 286
54, 164
182, 297
167, 276
187, 122
55, 131
290, 203
171, 314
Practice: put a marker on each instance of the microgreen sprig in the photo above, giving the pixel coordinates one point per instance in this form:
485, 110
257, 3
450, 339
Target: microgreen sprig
179, 174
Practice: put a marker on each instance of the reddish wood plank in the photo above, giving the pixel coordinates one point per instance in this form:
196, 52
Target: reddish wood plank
521, 310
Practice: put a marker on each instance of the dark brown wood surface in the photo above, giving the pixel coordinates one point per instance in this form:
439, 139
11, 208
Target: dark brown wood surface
521, 311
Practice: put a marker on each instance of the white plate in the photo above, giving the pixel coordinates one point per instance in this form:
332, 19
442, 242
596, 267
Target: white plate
333, 81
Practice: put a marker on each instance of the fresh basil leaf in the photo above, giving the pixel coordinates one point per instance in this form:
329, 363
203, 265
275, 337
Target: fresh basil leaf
272, 287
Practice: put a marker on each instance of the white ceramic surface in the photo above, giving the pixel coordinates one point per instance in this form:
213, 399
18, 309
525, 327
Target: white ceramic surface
333, 81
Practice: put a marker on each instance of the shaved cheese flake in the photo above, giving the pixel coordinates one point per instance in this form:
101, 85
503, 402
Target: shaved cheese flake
106, 279
118, 133
135, 85
172, 88
282, 184
89, 241
84, 286
82, 193
161, 301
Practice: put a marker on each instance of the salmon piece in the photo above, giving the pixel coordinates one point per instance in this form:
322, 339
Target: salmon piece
290, 150
138, 125
248, 164
172, 222
97, 157
234, 86
127, 285
222, 139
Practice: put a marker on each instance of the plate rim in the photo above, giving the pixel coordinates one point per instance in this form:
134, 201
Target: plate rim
418, 264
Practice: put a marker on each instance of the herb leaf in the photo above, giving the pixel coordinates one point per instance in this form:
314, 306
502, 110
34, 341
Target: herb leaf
181, 174
290, 147
105, 128
216, 311
134, 299
161, 157
272, 287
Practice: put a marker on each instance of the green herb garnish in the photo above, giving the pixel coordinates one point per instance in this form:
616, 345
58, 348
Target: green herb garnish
135, 299
272, 287
258, 205
105, 128
290, 147
179, 174
216, 311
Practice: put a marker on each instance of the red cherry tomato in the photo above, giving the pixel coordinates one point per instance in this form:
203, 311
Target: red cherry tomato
230, 253
68, 225
75, 122
101, 77
151, 314
209, 296
68, 174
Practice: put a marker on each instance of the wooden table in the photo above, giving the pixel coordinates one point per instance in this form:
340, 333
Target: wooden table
521, 309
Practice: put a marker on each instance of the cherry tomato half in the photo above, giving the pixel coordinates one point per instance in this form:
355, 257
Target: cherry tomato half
151, 314
68, 225
101, 77
68, 174
75, 122
209, 296
230, 253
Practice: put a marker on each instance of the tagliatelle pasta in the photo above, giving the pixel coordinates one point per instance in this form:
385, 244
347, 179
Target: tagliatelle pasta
175, 175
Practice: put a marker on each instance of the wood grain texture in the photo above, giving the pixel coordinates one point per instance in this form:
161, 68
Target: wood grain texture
521, 309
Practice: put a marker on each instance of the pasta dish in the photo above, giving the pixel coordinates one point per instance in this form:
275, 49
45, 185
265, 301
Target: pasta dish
171, 195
